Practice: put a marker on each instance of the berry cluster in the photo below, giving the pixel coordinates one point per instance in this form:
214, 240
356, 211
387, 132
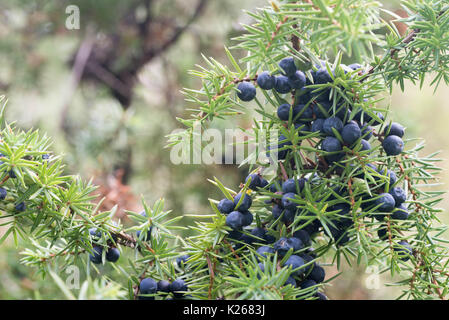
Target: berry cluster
149, 288
340, 130
112, 253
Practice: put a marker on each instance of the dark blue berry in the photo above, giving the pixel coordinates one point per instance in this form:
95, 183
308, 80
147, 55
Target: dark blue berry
399, 195
366, 146
394, 129
282, 84
113, 254
307, 284
302, 113
332, 123
247, 91
351, 133
21, 206
289, 186
255, 181
266, 81
367, 132
322, 76
303, 235
331, 144
317, 274
355, 66
404, 250
288, 66
247, 218
283, 112
177, 286
264, 250
290, 281
393, 145
235, 220
226, 206
163, 286
400, 213
277, 211
96, 255
245, 203
148, 286
297, 80
297, 263
182, 260
287, 201
317, 125
386, 202
3, 193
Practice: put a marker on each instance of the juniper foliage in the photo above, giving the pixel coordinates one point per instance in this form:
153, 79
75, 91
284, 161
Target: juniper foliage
54, 213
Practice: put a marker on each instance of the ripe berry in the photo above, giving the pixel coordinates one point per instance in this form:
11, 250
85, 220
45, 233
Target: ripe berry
331, 144
367, 132
265, 249
289, 186
247, 91
283, 111
288, 66
289, 215
20, 206
400, 213
263, 183
317, 274
322, 109
96, 255
365, 145
182, 260
282, 84
393, 145
12, 174
317, 125
235, 220
266, 81
284, 244
3, 194
113, 254
351, 132
277, 211
247, 218
404, 250
297, 80
255, 181
290, 280
390, 174
296, 262
245, 204
148, 286
303, 235
287, 201
226, 206
399, 195
163, 286
394, 129
307, 284
177, 286
355, 66
330, 123
386, 202
320, 296
259, 233
382, 233
322, 76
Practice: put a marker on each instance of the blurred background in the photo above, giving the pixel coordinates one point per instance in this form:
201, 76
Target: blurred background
109, 93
